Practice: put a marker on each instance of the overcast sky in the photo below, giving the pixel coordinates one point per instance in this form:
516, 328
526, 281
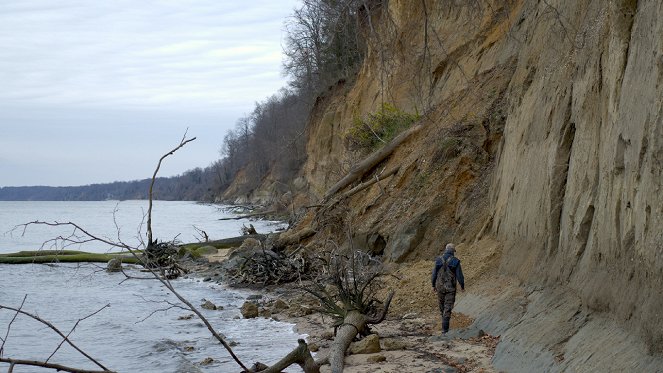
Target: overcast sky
97, 91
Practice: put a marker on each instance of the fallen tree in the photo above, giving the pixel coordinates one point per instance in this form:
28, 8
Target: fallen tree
347, 290
371, 161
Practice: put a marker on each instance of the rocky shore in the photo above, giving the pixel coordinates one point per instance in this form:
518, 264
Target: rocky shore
408, 340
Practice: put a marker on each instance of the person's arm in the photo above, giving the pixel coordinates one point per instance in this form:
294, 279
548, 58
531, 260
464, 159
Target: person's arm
436, 268
459, 276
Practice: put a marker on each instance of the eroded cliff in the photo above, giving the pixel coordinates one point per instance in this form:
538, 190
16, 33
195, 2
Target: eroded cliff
542, 129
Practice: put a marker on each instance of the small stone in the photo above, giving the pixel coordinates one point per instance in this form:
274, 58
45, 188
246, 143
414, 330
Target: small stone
370, 344
376, 359
249, 310
207, 279
207, 361
392, 344
114, 265
328, 335
306, 310
265, 312
313, 347
186, 317
254, 297
280, 305
411, 315
188, 348
208, 305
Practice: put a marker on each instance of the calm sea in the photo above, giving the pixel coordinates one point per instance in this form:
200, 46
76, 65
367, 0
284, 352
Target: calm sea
140, 331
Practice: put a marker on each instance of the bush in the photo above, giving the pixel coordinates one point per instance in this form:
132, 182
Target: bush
378, 128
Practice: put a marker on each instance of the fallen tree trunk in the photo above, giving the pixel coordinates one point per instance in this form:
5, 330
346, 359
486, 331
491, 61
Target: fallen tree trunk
369, 162
249, 215
367, 184
226, 242
353, 324
288, 238
62, 256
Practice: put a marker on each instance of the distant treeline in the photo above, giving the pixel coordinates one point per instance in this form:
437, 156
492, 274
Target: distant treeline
325, 44
193, 185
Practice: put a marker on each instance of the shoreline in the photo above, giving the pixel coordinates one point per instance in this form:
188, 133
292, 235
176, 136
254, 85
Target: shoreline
409, 341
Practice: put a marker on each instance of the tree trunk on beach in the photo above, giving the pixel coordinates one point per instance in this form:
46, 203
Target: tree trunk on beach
354, 323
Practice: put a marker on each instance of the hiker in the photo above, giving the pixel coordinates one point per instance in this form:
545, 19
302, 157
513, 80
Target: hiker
446, 274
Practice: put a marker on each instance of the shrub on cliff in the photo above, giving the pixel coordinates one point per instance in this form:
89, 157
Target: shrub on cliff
378, 128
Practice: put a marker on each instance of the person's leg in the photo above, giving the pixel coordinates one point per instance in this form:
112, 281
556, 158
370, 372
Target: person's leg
440, 302
447, 306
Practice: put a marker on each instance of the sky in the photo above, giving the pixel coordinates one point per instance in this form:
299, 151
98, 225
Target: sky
98, 91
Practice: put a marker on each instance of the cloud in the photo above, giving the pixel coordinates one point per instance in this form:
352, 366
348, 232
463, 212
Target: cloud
89, 52
90, 83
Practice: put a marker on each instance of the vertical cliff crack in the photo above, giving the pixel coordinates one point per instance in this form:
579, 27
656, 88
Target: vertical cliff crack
558, 178
583, 231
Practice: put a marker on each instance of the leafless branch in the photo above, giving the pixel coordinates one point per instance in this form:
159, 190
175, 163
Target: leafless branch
57, 331
73, 328
171, 305
42, 364
183, 142
2, 347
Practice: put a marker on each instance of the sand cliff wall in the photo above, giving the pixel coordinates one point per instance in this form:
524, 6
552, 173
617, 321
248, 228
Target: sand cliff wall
543, 127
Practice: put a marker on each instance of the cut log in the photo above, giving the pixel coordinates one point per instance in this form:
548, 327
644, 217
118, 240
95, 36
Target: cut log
370, 162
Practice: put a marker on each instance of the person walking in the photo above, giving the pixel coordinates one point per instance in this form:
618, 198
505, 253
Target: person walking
446, 274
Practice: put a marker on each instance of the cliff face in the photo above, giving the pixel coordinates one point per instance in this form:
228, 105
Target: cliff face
580, 169
543, 128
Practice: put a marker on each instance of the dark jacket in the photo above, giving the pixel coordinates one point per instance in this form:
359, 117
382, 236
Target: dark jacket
454, 265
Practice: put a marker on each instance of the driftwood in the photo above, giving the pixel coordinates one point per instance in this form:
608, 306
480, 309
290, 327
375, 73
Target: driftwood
248, 230
300, 355
370, 162
249, 215
268, 267
234, 241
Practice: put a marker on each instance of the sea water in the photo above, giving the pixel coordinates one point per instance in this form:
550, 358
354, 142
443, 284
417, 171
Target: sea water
140, 326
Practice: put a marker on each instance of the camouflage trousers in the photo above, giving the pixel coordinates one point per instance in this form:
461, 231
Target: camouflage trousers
446, 302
